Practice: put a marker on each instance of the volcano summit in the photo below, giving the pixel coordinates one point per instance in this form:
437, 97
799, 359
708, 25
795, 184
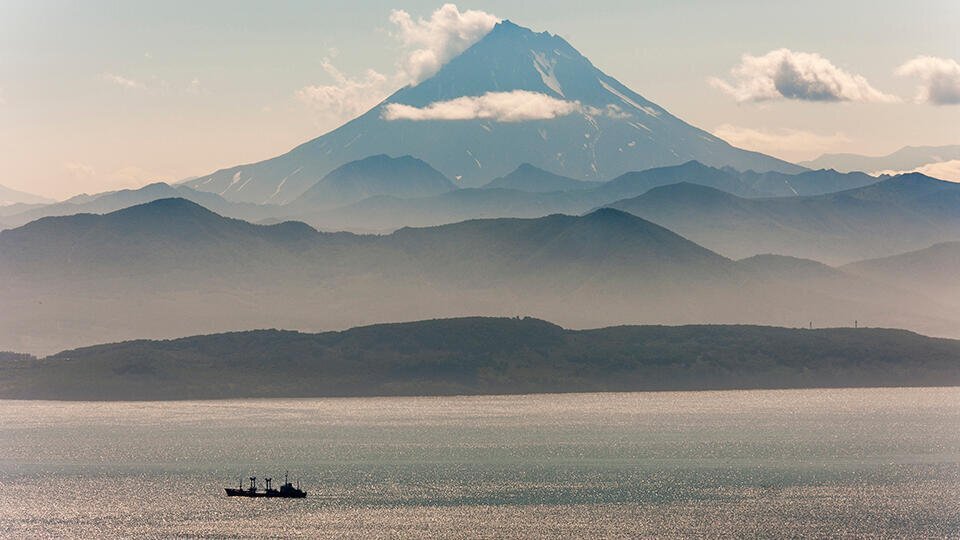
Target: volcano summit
514, 97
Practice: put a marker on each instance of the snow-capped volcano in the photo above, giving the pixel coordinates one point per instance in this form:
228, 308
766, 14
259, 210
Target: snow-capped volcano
514, 97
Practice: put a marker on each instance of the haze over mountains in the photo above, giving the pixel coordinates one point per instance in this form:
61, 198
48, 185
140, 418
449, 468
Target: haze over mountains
532, 192
381, 193
931, 271
601, 128
527, 198
895, 215
171, 268
110, 201
9, 196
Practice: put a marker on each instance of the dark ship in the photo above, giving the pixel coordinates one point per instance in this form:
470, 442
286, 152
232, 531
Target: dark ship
286, 491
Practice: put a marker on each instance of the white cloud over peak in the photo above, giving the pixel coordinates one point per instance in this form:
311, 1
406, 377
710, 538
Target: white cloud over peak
515, 106
426, 45
939, 78
432, 42
791, 144
786, 74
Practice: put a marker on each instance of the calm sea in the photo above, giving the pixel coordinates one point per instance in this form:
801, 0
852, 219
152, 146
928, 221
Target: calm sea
878, 463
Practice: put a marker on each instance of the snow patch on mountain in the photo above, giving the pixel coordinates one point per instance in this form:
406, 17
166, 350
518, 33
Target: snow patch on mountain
544, 67
648, 110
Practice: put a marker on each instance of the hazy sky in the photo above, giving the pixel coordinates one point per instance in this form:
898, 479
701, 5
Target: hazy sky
99, 95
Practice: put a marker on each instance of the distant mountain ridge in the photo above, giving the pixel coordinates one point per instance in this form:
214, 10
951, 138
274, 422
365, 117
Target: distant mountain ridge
815, 182
532, 179
404, 177
112, 201
141, 230
895, 215
904, 159
614, 131
10, 196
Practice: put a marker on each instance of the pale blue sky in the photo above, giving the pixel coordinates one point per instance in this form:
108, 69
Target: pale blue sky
99, 95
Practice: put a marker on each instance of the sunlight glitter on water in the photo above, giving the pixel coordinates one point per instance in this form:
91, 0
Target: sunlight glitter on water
818, 462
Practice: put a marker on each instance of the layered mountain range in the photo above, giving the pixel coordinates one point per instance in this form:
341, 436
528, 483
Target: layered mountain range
610, 211
898, 214
382, 193
532, 192
171, 267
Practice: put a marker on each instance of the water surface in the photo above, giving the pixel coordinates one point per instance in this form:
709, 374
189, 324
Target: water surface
874, 462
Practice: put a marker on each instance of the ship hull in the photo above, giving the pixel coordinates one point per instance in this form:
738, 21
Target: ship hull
234, 492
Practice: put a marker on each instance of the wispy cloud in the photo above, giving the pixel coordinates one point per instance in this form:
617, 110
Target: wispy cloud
939, 78
610, 111
156, 86
786, 74
347, 97
944, 170
195, 87
425, 44
86, 177
131, 175
515, 106
79, 171
120, 80
789, 143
